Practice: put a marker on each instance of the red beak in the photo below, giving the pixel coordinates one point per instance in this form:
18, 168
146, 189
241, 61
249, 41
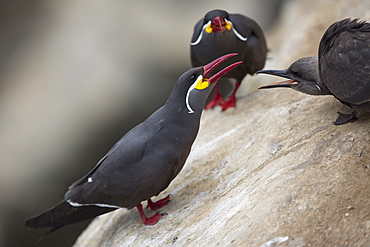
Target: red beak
218, 24
212, 65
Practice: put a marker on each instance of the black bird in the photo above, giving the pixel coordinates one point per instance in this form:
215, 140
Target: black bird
342, 68
144, 161
220, 33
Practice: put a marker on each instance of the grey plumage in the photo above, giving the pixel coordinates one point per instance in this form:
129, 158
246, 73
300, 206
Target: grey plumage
344, 61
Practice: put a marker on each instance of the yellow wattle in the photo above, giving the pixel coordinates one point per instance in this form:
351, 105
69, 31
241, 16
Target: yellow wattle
209, 29
202, 84
228, 25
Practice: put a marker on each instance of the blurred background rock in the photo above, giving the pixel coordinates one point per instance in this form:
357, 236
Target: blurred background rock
75, 75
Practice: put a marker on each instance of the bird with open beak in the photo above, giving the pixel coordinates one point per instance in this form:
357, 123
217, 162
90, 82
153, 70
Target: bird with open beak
342, 68
144, 161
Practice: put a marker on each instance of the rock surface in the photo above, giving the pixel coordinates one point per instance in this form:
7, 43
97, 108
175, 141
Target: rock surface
274, 171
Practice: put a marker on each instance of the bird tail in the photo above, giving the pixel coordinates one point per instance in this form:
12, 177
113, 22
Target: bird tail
64, 214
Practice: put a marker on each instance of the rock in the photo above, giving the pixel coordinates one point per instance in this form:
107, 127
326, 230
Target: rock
274, 171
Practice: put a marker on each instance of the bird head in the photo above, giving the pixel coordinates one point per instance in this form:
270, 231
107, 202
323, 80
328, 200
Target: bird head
217, 21
203, 82
198, 84
303, 76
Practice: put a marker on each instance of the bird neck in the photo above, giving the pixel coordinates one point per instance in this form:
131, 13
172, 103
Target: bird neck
178, 110
324, 90
187, 103
311, 68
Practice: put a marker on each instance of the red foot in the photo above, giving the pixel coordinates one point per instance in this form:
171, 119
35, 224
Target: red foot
231, 102
217, 99
148, 221
158, 204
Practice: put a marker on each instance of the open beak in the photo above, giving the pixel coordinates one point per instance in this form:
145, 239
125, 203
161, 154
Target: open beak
205, 82
212, 65
287, 83
218, 24
281, 73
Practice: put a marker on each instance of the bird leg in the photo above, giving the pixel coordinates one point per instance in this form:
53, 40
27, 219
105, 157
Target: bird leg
231, 102
216, 100
345, 118
149, 221
158, 204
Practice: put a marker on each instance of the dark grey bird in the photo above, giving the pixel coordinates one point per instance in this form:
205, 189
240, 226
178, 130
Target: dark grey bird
144, 161
220, 33
342, 68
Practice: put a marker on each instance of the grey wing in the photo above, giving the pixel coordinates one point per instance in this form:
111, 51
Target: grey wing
196, 33
126, 176
85, 178
109, 183
197, 29
345, 67
256, 41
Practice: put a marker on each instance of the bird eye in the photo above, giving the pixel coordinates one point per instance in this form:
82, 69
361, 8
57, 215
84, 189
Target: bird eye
192, 77
298, 74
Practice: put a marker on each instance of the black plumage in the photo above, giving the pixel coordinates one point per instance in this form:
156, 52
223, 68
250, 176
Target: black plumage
220, 33
144, 161
342, 68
